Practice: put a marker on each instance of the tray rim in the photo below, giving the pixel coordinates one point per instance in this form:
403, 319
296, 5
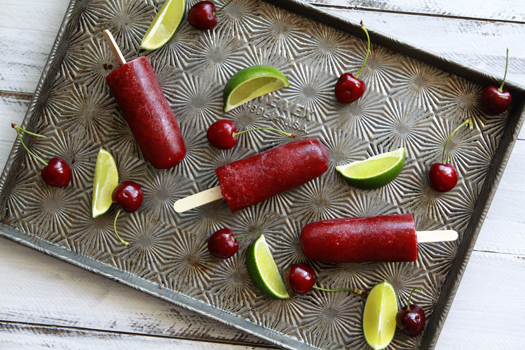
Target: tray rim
514, 123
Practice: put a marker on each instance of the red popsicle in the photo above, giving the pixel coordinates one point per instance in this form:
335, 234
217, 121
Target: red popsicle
387, 238
149, 116
256, 178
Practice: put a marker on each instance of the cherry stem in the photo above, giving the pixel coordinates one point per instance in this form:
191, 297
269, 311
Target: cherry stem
115, 228
272, 129
367, 50
354, 290
410, 297
257, 229
17, 128
506, 68
219, 10
467, 122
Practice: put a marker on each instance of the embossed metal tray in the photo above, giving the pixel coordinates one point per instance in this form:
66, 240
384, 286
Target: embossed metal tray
413, 99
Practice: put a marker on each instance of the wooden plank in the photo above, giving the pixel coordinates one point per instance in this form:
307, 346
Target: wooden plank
478, 44
17, 336
34, 15
503, 10
488, 307
24, 54
39, 289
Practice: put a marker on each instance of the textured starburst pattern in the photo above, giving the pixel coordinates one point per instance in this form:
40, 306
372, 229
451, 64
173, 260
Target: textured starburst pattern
312, 88
50, 209
403, 126
380, 71
126, 19
408, 103
419, 84
161, 190
189, 261
92, 61
236, 19
318, 200
460, 100
230, 285
87, 113
359, 118
215, 57
281, 32
94, 237
151, 245
330, 49
176, 51
197, 102
333, 314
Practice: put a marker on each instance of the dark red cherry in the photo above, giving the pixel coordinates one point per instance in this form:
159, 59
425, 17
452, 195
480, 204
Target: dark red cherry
494, 100
57, 172
348, 88
497, 100
301, 278
220, 134
202, 15
411, 322
442, 177
222, 244
128, 195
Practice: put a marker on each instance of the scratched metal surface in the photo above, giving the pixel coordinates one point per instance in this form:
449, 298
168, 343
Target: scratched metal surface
413, 100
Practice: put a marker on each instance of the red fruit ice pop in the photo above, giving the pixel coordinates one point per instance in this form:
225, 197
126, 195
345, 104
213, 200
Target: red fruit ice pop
145, 108
387, 238
256, 178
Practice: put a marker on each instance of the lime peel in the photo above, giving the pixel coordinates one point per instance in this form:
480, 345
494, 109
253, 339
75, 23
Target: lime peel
104, 182
250, 83
263, 271
379, 316
164, 25
374, 172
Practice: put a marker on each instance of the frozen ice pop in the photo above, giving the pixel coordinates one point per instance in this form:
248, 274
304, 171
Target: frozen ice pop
387, 238
147, 112
254, 179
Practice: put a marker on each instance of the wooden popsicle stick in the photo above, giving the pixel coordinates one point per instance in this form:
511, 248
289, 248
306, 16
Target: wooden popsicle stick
114, 47
436, 236
198, 199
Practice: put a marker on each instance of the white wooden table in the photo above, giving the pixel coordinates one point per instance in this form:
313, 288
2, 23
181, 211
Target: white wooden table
46, 303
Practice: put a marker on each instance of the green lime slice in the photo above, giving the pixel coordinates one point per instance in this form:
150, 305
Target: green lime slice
263, 271
376, 171
105, 181
252, 82
379, 317
164, 24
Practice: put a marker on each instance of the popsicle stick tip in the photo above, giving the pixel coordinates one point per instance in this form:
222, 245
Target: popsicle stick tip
114, 47
436, 236
198, 199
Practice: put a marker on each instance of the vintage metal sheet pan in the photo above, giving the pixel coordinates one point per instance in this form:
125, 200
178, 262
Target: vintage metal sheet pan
414, 99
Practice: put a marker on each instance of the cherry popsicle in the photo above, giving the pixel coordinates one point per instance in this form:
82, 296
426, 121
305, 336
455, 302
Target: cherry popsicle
386, 238
254, 179
146, 110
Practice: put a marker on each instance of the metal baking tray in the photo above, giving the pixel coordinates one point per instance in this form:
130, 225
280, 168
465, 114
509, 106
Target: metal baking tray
414, 99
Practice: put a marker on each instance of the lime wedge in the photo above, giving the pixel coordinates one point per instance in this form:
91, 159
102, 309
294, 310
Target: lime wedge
376, 171
379, 317
252, 82
105, 181
164, 24
263, 270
